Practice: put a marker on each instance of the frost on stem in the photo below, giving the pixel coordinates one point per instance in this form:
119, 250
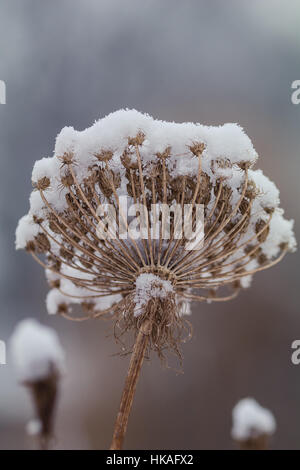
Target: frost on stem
151, 162
39, 362
253, 425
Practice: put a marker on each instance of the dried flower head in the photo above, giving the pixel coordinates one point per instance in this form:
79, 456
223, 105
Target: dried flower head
150, 277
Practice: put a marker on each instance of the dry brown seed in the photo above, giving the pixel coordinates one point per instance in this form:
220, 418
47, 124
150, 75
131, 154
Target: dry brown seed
30, 246
137, 140
127, 161
66, 179
66, 159
259, 227
54, 284
62, 308
37, 220
197, 148
104, 155
42, 243
42, 183
165, 154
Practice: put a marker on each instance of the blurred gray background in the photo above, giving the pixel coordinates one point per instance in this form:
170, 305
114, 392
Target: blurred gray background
69, 62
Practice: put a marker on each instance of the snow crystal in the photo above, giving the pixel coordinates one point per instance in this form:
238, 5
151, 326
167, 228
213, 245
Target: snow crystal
250, 418
35, 350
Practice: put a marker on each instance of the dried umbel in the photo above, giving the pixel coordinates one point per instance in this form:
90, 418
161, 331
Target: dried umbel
128, 154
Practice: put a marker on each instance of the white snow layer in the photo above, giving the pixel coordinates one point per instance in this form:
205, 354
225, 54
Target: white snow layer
64, 295
35, 350
250, 418
228, 141
26, 231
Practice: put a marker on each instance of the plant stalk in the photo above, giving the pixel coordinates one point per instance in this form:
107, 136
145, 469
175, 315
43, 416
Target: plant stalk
133, 373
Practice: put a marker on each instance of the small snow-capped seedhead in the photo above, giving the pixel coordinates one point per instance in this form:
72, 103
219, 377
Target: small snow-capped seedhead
36, 351
252, 424
39, 362
157, 164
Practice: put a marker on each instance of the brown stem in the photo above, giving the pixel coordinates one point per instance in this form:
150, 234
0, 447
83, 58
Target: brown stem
133, 373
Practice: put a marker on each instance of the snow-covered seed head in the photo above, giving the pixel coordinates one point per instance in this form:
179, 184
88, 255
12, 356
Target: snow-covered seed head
39, 362
252, 425
130, 155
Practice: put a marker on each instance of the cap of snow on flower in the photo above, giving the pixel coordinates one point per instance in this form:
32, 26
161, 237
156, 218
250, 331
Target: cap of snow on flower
251, 421
36, 351
148, 161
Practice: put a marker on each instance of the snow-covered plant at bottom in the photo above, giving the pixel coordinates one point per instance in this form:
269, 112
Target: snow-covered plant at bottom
39, 362
147, 281
252, 425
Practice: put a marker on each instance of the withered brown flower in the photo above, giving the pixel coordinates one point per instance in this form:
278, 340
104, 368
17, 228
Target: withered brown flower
148, 281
